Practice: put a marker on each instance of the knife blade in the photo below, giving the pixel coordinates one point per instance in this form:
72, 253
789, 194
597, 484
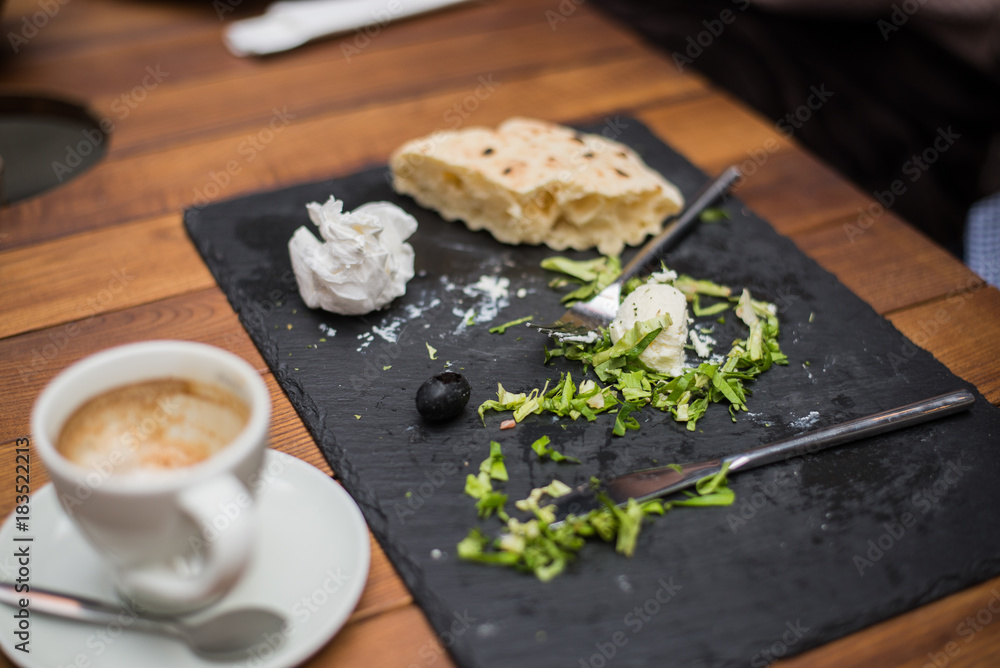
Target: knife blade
657, 482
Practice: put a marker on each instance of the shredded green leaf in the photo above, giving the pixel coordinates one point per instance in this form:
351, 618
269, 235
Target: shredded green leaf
500, 329
536, 546
713, 215
591, 275
629, 385
493, 465
542, 449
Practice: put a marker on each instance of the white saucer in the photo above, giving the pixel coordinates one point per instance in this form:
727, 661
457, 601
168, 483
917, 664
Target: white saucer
311, 563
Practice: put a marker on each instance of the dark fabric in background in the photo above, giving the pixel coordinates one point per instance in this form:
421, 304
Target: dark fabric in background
890, 97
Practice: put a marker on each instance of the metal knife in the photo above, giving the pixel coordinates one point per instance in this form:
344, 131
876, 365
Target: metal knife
656, 482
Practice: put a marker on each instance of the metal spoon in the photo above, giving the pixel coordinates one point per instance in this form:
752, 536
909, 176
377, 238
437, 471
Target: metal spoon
229, 635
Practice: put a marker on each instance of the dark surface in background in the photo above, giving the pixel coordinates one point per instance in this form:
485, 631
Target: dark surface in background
777, 573
45, 142
891, 97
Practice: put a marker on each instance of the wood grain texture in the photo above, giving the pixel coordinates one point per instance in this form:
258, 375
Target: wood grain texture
950, 632
796, 192
283, 150
81, 277
890, 264
714, 131
402, 635
57, 250
470, 63
960, 330
29, 361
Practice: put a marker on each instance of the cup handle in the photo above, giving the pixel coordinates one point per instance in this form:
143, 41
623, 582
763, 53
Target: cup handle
226, 554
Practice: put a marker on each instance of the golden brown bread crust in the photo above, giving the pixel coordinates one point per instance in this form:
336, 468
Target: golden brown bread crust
535, 182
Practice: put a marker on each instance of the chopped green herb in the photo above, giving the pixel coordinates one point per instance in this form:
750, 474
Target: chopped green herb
700, 311
432, 351
537, 546
713, 215
628, 381
493, 465
591, 275
542, 449
500, 329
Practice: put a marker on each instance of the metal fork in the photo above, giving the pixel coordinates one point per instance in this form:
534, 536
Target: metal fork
585, 317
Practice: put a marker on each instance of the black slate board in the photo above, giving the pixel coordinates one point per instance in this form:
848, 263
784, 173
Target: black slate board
815, 547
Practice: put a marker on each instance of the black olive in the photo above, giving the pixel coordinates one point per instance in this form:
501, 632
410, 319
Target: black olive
443, 396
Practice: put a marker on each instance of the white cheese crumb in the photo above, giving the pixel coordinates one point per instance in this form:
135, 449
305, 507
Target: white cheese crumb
702, 343
806, 421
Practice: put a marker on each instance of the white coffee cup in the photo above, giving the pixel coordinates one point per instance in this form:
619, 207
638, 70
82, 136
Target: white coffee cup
176, 539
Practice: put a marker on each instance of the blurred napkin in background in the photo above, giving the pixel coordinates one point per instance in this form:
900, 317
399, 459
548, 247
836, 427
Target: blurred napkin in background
290, 23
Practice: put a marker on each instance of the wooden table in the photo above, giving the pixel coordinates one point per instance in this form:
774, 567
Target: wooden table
104, 259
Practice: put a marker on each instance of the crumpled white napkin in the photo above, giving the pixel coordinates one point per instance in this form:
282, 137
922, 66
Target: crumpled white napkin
363, 262
290, 23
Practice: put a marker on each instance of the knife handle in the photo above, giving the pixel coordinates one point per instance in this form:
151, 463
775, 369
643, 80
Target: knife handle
852, 430
674, 232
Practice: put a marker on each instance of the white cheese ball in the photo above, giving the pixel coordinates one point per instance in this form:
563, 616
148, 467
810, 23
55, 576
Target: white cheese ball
666, 352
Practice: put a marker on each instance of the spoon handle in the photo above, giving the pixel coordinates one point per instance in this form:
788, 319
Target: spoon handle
870, 425
78, 607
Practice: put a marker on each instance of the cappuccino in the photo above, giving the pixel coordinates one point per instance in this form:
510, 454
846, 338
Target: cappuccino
151, 426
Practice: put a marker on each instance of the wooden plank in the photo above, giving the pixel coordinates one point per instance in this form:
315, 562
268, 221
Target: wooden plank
955, 632
29, 361
400, 637
384, 590
960, 330
227, 102
715, 131
192, 49
890, 265
97, 272
82, 25
795, 191
161, 182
